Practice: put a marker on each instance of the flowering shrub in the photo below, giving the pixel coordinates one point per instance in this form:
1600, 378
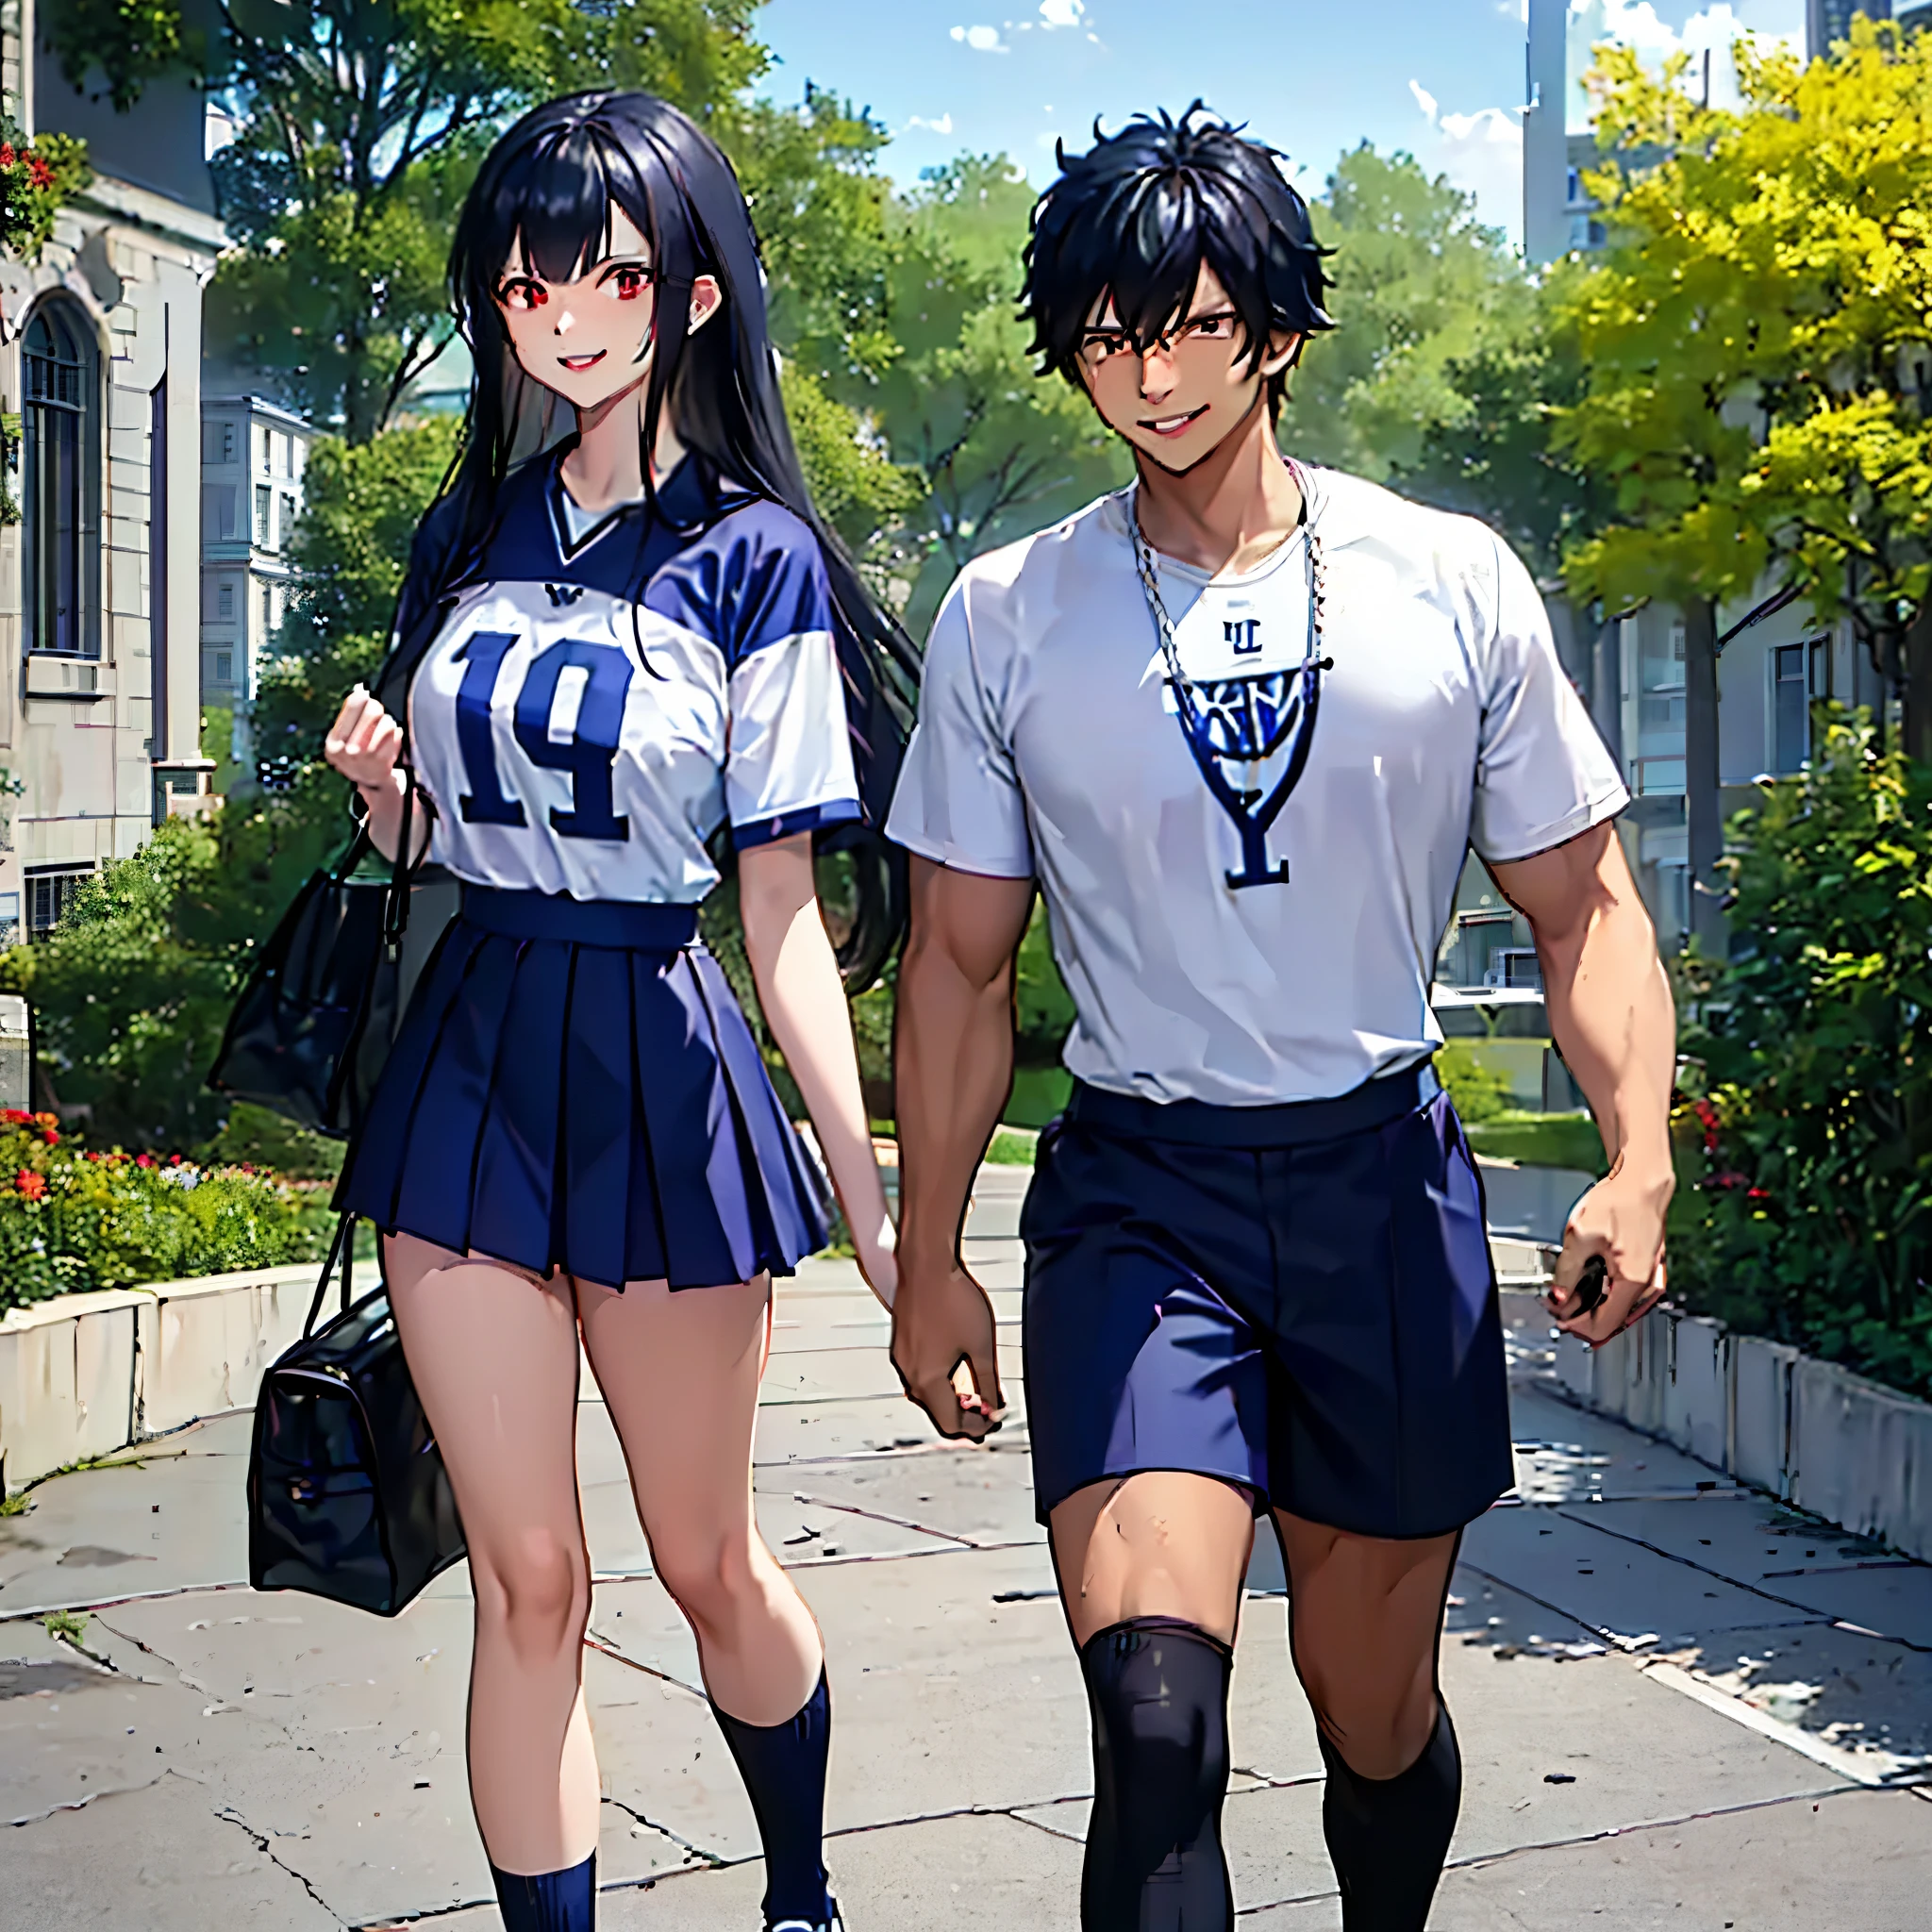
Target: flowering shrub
35, 179
1804, 1132
72, 1219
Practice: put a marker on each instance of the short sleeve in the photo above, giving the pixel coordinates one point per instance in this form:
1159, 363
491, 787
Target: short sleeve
1543, 774
787, 766
959, 800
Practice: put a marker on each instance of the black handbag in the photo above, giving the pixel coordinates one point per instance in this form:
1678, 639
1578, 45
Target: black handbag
314, 1022
348, 1495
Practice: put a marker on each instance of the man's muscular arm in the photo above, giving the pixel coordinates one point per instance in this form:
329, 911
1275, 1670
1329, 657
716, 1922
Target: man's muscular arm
1612, 1014
953, 1068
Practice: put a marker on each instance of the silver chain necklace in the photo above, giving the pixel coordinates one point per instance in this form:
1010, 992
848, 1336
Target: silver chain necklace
1213, 730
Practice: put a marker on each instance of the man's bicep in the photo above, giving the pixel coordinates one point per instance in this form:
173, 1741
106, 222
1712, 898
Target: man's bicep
972, 920
1558, 889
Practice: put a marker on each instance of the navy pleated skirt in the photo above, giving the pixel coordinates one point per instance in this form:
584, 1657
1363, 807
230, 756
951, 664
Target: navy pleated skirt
573, 1087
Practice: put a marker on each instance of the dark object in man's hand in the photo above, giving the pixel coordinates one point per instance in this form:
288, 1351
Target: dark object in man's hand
1593, 1285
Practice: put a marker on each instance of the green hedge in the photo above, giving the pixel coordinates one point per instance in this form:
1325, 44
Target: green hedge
1803, 1207
72, 1219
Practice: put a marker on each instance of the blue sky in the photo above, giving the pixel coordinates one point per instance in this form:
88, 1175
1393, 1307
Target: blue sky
1442, 79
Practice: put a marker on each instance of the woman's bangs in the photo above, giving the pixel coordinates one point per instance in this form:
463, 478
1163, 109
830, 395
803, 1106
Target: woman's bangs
555, 203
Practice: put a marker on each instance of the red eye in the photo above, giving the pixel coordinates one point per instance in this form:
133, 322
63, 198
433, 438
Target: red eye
524, 293
627, 284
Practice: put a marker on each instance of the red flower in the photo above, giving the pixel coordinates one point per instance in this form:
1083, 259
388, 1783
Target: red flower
39, 173
1757, 1195
15, 1116
7, 154
143, 1160
30, 1184
52, 1139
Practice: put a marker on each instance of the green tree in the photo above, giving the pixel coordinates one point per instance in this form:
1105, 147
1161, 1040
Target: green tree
362, 504
999, 449
1421, 291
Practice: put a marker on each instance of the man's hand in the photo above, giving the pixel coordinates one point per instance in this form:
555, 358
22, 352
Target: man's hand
1621, 1220
940, 1321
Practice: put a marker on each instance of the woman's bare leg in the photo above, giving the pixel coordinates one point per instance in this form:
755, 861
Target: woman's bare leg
680, 1372
493, 1355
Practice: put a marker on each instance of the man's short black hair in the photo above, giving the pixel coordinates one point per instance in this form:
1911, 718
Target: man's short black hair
1137, 215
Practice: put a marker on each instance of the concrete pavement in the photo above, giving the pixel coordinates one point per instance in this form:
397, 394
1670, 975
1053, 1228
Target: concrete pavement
1680, 1704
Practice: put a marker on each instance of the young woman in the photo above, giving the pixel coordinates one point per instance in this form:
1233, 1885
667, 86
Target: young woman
612, 643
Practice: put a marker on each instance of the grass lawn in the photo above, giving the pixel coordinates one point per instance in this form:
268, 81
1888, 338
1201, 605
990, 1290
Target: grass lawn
1541, 1140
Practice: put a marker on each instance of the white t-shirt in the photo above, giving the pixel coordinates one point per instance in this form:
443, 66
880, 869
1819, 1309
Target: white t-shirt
1047, 746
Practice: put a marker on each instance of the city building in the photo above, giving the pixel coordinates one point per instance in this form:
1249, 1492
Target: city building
254, 455
100, 356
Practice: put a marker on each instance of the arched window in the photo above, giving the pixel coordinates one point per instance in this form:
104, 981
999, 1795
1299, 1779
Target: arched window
61, 514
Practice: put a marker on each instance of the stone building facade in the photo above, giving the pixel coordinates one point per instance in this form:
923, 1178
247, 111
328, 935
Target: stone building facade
100, 358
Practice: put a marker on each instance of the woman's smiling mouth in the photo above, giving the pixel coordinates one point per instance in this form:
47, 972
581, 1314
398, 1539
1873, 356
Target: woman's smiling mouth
582, 361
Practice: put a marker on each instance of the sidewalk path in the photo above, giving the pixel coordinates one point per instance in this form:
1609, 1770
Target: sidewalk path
1679, 1704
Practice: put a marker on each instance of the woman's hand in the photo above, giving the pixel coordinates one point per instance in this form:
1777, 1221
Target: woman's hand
363, 744
878, 1261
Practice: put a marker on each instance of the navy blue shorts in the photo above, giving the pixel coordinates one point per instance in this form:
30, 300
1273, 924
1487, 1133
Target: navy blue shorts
1315, 1319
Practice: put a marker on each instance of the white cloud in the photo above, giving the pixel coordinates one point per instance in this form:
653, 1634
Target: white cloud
942, 125
1481, 152
982, 39
1062, 12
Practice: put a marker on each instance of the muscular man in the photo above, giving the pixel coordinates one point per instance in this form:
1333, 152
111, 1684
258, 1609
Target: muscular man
1239, 724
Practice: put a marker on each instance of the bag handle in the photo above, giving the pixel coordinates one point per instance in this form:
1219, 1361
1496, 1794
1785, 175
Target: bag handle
342, 1248
395, 910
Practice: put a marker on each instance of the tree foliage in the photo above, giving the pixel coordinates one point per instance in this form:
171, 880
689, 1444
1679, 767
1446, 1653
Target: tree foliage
1758, 338
1423, 290
361, 507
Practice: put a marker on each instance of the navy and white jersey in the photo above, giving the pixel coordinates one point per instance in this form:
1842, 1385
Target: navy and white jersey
1047, 746
580, 734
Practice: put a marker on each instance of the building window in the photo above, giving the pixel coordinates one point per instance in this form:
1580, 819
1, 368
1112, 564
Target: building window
1573, 187
225, 667
263, 497
225, 601
1790, 707
62, 508
50, 891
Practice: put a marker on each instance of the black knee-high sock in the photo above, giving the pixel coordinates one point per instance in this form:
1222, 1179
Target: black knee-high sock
1158, 1692
784, 1771
1389, 1837
548, 1901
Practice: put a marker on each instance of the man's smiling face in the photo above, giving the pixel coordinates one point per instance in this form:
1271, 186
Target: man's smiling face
1175, 402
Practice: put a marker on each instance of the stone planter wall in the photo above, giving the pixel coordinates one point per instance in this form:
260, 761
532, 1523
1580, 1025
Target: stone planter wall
1848, 1450
84, 1374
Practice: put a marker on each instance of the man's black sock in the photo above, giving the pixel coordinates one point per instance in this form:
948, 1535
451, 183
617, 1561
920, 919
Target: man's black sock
548, 1901
784, 1771
1389, 1837
1158, 1692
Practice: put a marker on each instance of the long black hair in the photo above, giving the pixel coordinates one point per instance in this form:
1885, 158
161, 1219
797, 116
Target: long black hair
547, 192
1137, 215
